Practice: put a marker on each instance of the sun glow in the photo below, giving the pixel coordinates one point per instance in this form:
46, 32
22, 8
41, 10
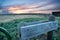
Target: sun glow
30, 9
15, 10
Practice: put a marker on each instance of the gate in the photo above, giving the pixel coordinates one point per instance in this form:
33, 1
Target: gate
33, 29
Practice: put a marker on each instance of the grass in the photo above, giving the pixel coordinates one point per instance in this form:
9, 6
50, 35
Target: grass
12, 25
58, 18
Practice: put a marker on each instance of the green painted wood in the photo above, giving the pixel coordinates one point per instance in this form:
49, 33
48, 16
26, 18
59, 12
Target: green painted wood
6, 33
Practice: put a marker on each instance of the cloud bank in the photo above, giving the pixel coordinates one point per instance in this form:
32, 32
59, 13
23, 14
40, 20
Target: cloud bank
31, 6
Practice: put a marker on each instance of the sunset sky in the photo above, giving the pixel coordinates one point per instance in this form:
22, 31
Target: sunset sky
30, 6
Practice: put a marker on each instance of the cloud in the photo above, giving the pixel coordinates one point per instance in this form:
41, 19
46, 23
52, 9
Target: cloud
33, 8
26, 6
50, 7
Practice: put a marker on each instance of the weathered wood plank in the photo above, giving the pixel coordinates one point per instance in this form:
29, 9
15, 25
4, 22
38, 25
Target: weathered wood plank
37, 29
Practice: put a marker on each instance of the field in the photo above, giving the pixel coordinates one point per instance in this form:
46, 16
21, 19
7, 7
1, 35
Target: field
11, 23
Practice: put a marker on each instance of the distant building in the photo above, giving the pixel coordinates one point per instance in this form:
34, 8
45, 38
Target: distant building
56, 13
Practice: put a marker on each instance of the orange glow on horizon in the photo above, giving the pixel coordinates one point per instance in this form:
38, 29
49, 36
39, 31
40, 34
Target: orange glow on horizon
28, 9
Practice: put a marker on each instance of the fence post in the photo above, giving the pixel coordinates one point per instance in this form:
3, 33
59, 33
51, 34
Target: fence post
50, 34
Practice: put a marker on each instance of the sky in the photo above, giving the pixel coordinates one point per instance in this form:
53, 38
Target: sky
30, 6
